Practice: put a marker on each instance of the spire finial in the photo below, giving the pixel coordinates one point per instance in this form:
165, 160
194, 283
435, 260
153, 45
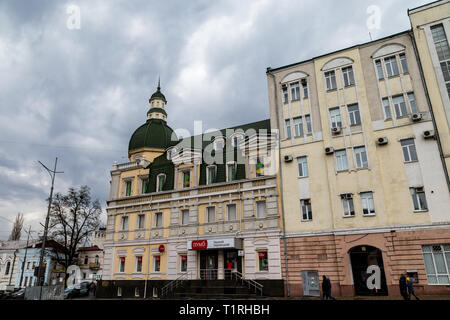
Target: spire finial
159, 83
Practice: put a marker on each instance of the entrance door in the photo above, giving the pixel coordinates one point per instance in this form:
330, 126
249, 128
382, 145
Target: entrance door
310, 281
231, 256
361, 258
208, 265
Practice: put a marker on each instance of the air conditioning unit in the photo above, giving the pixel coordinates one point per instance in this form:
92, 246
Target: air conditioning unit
287, 158
382, 140
416, 117
336, 130
428, 134
329, 150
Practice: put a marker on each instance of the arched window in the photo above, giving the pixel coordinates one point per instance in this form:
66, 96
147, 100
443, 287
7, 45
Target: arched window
8, 266
160, 181
96, 259
86, 259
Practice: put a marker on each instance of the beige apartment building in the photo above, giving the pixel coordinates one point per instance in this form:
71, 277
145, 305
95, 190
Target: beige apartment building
363, 187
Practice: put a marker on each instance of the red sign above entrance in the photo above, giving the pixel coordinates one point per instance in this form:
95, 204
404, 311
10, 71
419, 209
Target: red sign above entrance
199, 244
161, 248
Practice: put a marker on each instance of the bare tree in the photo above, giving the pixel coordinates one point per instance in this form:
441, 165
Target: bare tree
73, 217
17, 228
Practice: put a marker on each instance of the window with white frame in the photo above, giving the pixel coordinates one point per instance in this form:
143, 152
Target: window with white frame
305, 204
308, 124
347, 74
418, 198
380, 72
347, 205
185, 217
335, 117
287, 127
302, 166
298, 127
128, 184
211, 174
183, 263
412, 102
361, 157
170, 153
231, 212
160, 182
440, 42
341, 160
263, 261
145, 183
353, 114
305, 88
409, 150
437, 263
124, 223
285, 94
403, 62
261, 209
186, 179
330, 80
158, 219
391, 66
211, 214
399, 106
236, 140
219, 144
122, 264
141, 221
231, 171
295, 91
387, 108
367, 203
157, 263
139, 264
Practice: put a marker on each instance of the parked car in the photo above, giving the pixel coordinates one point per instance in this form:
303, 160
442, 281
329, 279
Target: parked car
77, 290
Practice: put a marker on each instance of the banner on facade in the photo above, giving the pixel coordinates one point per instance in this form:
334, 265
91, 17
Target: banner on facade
218, 243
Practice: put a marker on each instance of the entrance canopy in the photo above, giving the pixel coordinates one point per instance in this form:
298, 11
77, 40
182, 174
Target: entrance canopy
215, 243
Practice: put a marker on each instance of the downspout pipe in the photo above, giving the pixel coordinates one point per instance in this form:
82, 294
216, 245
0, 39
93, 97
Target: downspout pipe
281, 184
422, 77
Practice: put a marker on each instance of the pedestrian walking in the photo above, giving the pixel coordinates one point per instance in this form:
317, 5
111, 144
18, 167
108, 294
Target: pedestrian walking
326, 289
403, 287
409, 283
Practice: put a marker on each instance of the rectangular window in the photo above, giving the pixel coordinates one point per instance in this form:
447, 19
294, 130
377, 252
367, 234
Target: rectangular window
412, 102
124, 223
445, 67
295, 91
285, 95
330, 79
161, 181
259, 167
139, 264
145, 184
391, 66
306, 209
347, 205
367, 204
387, 108
353, 114
158, 219
186, 179
399, 106
28, 265
260, 209
231, 209
419, 199
231, 171
409, 150
288, 128
403, 62
347, 74
128, 188
263, 261
157, 263
298, 127
335, 117
183, 263
361, 157
302, 167
122, 264
305, 89
185, 217
380, 72
211, 214
141, 221
211, 174
341, 160
440, 42
437, 263
308, 124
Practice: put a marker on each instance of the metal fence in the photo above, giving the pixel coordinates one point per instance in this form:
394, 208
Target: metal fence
48, 293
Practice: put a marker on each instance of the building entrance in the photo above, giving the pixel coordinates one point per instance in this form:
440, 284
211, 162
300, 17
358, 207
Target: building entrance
232, 262
208, 265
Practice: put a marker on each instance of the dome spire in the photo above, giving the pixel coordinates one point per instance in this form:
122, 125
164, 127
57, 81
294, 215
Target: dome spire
159, 83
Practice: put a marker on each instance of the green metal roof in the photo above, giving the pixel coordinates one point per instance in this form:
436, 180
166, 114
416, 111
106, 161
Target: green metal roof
155, 133
160, 110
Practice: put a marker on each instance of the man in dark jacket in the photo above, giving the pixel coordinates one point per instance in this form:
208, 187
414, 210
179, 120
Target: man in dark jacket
326, 289
403, 286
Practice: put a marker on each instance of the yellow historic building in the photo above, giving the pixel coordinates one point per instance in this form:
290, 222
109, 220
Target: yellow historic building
198, 208
363, 184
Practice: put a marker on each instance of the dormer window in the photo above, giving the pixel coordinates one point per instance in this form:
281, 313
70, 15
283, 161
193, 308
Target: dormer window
171, 153
186, 179
211, 174
219, 144
236, 139
259, 167
160, 181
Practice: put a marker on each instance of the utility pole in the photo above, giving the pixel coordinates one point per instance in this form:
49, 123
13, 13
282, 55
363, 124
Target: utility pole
25, 257
41, 278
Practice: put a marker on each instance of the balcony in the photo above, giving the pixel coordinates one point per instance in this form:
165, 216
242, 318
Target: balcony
94, 265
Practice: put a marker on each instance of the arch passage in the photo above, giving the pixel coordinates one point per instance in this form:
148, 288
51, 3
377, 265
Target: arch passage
361, 257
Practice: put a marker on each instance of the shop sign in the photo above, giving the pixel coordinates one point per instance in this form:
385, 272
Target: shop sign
215, 244
241, 253
199, 244
161, 248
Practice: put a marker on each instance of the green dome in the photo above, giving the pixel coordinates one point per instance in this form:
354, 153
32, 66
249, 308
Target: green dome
155, 133
158, 95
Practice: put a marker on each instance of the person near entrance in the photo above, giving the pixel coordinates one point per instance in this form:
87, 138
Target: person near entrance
409, 282
229, 268
326, 289
403, 287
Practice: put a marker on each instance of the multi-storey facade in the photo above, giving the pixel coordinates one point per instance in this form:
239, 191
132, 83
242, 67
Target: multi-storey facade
362, 180
90, 259
189, 207
430, 25
8, 262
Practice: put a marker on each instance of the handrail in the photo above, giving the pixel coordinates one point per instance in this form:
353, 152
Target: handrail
174, 284
250, 282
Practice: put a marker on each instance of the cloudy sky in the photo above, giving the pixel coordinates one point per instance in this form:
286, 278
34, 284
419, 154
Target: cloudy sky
77, 89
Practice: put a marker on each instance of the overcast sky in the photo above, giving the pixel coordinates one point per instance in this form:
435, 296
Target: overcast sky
79, 93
